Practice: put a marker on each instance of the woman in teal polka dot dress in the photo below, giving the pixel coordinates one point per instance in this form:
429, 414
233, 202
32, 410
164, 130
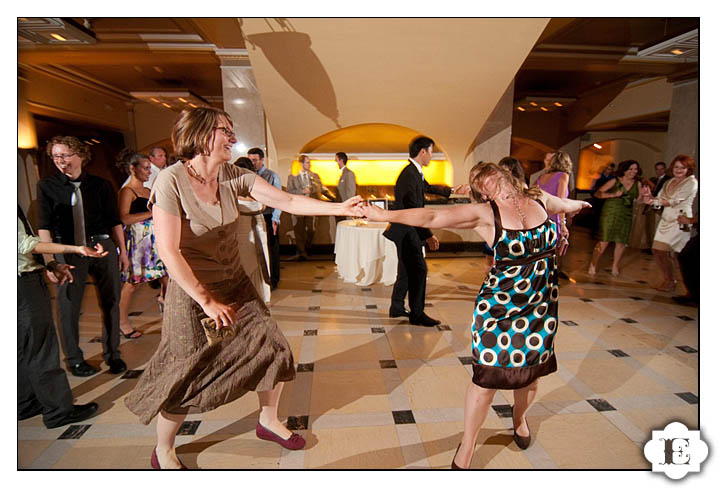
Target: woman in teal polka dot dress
516, 311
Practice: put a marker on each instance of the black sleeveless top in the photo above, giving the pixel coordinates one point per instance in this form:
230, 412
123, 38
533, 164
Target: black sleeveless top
139, 205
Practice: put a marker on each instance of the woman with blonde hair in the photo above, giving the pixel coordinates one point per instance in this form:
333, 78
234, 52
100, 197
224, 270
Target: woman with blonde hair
676, 197
145, 264
516, 312
555, 182
219, 340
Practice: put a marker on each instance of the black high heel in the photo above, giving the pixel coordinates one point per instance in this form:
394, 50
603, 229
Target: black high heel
522, 442
453, 460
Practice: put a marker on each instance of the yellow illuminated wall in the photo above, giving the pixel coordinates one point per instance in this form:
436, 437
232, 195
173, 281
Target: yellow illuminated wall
377, 172
590, 165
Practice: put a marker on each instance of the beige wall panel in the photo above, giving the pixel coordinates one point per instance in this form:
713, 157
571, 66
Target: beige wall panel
637, 100
441, 77
153, 124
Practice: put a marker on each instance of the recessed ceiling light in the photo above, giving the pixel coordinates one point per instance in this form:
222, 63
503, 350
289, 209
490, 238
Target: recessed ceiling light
193, 106
58, 37
239, 101
95, 140
597, 146
158, 69
558, 104
167, 105
533, 104
676, 51
154, 100
521, 109
544, 109
182, 100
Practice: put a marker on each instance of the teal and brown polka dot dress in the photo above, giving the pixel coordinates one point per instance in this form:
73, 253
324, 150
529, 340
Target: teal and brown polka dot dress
516, 313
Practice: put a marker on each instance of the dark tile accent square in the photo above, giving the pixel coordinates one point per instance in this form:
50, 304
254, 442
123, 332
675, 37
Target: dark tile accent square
641, 282
371, 306
310, 332
503, 410
188, 428
601, 405
443, 327
132, 374
618, 353
570, 323
387, 363
316, 291
319, 278
428, 304
297, 422
686, 318
638, 298
689, 397
96, 339
465, 360
322, 267
629, 320
74, 432
378, 330
403, 417
687, 349
305, 367
585, 299
366, 289
135, 313
313, 308
598, 282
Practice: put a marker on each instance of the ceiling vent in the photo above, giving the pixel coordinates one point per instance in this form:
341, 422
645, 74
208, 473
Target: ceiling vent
52, 30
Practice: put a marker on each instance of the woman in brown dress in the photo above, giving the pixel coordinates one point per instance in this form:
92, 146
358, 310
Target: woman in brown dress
196, 218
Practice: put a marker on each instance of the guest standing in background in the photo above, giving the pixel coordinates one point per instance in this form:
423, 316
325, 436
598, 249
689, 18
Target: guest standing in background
554, 181
306, 183
158, 162
144, 261
617, 214
270, 214
77, 208
676, 198
347, 186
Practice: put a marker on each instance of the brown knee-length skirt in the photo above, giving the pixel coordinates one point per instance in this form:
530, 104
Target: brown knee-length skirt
186, 373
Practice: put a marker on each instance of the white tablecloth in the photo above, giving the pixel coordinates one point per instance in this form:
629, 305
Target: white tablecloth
363, 255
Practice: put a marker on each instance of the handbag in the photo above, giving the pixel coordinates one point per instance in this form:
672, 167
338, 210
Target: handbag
213, 334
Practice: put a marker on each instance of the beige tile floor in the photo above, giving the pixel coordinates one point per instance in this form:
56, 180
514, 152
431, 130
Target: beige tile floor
377, 393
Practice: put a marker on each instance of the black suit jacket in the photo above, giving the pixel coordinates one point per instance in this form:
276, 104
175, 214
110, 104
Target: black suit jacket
409, 194
659, 184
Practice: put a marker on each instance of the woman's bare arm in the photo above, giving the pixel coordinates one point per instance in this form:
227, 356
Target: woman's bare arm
300, 205
554, 205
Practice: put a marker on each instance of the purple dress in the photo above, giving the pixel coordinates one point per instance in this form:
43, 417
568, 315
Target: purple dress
551, 187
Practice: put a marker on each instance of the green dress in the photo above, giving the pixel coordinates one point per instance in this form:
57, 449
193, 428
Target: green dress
617, 214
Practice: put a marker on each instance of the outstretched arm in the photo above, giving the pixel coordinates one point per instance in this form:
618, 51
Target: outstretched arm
464, 216
554, 205
301, 205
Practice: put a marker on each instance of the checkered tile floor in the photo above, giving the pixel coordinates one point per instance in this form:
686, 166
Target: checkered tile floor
377, 393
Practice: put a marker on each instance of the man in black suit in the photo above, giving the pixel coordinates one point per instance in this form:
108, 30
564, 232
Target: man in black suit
411, 273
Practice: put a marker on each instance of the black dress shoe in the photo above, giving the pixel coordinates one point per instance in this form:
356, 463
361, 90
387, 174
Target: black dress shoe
117, 366
79, 412
424, 320
83, 369
395, 313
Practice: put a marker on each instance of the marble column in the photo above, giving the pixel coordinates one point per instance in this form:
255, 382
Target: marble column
683, 123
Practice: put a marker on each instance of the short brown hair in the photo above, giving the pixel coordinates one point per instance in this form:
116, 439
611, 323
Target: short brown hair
193, 131
687, 161
76, 146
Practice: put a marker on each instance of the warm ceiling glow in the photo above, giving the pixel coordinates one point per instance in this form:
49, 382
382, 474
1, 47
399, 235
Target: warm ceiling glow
677, 51
597, 146
544, 109
521, 109
182, 100
533, 104
239, 101
58, 37
558, 104
193, 106
377, 172
167, 105
154, 100
95, 140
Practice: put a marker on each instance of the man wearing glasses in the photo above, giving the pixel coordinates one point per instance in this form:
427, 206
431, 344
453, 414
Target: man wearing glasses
76, 208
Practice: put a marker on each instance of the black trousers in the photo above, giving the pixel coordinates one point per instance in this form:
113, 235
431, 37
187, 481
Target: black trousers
410, 277
689, 261
69, 296
273, 245
41, 383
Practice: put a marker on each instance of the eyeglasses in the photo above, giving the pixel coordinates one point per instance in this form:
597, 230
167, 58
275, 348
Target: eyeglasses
62, 157
227, 131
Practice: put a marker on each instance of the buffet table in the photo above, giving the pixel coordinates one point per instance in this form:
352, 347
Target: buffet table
363, 255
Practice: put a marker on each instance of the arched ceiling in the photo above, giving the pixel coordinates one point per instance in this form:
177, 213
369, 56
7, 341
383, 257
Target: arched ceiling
440, 77
364, 138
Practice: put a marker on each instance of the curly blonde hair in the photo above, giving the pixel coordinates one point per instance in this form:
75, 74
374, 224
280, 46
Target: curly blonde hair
486, 169
560, 161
